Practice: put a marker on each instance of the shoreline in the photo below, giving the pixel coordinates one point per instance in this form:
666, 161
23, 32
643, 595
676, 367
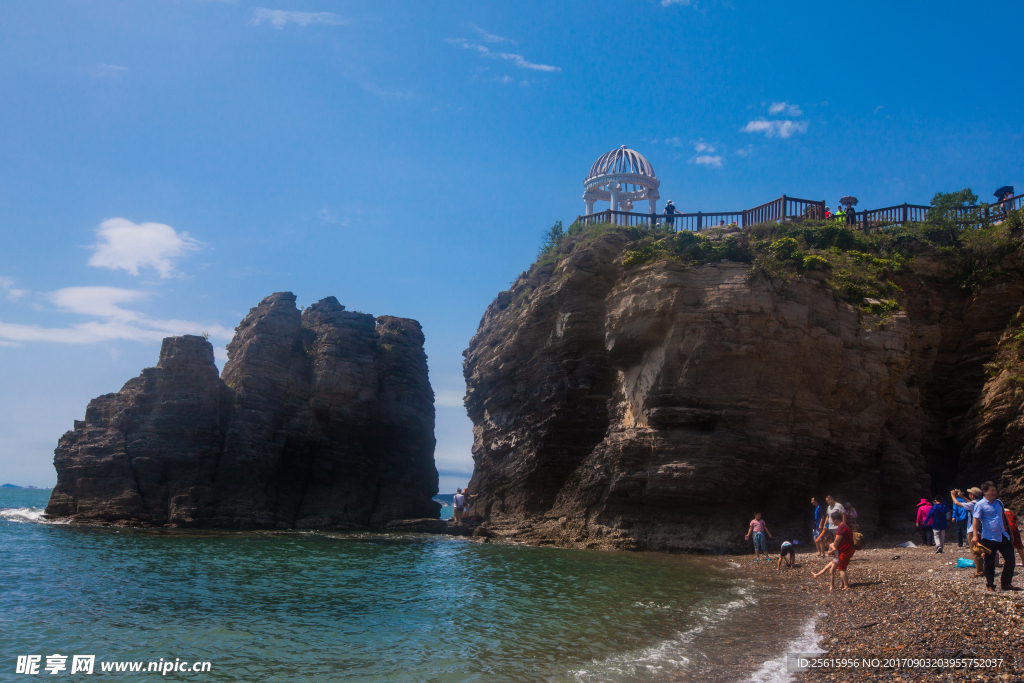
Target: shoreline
903, 604
916, 606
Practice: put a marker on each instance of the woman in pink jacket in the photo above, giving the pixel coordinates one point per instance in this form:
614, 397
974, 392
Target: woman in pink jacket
923, 508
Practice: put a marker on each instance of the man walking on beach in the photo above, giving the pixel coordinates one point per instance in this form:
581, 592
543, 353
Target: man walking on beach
937, 521
990, 529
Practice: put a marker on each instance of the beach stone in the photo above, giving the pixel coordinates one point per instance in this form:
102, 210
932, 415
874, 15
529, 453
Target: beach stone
320, 419
656, 407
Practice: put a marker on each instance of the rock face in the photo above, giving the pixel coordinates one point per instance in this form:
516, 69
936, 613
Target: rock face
323, 419
659, 407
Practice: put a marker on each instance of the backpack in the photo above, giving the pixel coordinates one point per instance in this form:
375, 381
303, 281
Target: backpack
858, 540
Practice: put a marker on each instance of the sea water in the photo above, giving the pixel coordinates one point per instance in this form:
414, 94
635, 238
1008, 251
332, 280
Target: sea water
310, 606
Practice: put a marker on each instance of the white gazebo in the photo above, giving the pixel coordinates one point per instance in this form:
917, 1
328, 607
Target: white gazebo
620, 177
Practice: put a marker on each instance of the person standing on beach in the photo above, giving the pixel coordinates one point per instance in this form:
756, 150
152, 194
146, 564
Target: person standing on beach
923, 508
460, 505
1011, 520
844, 546
851, 516
990, 528
758, 528
819, 521
936, 519
960, 516
833, 508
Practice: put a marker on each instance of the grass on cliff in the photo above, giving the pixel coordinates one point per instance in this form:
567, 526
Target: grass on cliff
858, 266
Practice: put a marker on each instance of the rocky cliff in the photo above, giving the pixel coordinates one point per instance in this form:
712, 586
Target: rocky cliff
638, 391
322, 419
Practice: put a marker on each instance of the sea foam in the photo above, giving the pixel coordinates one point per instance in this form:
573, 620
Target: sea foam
775, 670
26, 515
672, 654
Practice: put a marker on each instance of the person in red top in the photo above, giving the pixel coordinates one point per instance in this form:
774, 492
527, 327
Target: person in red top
1011, 521
844, 546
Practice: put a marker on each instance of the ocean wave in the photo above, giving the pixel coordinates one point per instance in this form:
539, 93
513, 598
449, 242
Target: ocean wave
27, 515
775, 670
671, 653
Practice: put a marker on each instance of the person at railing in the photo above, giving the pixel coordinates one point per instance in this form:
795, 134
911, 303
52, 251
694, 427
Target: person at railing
840, 215
670, 215
851, 215
828, 213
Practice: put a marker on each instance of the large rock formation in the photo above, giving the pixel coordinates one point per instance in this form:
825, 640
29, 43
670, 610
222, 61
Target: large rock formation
658, 407
321, 419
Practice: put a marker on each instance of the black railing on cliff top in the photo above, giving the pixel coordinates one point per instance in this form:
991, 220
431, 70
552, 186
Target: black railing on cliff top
788, 208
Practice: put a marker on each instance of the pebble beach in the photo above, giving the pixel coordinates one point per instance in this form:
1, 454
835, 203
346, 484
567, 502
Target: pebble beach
906, 604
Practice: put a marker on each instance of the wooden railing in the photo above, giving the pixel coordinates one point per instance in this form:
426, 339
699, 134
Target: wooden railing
789, 208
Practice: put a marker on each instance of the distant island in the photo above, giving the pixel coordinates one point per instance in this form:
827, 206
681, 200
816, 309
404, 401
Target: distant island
38, 488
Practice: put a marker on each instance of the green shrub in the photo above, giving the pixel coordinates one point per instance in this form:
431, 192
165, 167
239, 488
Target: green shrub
815, 262
784, 248
646, 253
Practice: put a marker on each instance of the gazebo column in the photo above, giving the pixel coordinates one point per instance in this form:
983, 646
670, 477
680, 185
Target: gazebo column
590, 207
654, 205
613, 188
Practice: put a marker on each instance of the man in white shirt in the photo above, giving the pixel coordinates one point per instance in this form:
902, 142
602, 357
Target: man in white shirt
993, 534
833, 506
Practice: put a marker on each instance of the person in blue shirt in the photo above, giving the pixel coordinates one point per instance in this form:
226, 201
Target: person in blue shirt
992, 533
937, 521
960, 515
819, 513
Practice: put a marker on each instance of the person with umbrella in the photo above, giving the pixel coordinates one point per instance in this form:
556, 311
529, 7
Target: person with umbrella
851, 214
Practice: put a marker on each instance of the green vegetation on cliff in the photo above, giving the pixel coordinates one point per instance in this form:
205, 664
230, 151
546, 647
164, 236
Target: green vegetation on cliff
861, 267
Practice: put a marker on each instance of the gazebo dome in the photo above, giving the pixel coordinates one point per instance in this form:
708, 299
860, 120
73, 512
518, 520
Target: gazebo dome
621, 177
620, 161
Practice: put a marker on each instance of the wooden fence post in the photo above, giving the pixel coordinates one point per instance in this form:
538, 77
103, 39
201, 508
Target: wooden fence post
783, 208
904, 213
700, 221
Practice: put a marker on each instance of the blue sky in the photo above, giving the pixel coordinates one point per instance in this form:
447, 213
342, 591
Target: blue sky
166, 164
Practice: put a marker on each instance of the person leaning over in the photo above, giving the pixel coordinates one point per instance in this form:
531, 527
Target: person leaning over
990, 527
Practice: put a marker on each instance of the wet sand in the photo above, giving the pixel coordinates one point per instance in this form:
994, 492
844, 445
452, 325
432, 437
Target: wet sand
906, 604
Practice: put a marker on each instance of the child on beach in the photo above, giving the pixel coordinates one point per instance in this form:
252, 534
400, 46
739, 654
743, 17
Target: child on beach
788, 556
758, 528
833, 560
842, 549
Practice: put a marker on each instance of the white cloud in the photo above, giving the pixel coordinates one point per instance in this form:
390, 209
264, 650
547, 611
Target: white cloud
708, 160
674, 142
782, 129
745, 151
129, 246
518, 60
107, 70
785, 108
490, 37
111, 321
879, 108
10, 292
700, 146
279, 18
666, 3
97, 301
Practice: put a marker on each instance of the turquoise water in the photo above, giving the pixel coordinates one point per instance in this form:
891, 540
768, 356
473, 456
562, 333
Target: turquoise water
362, 607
